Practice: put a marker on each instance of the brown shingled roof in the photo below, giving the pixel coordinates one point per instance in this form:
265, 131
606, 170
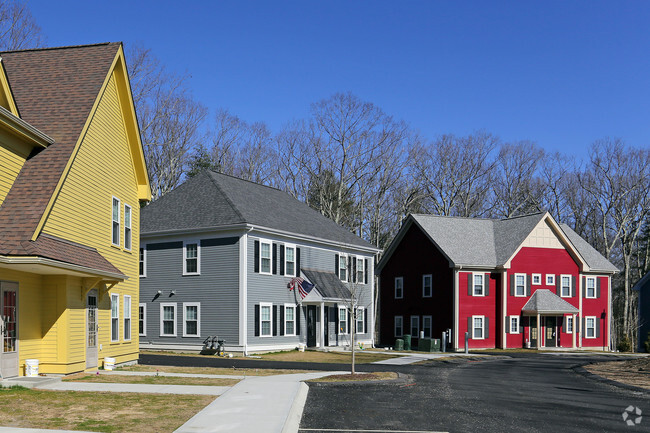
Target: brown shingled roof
54, 90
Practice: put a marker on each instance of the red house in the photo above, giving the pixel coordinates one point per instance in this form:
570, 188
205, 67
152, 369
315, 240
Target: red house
518, 282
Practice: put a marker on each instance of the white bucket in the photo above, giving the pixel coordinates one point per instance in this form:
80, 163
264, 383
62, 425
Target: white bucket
301, 347
109, 363
31, 367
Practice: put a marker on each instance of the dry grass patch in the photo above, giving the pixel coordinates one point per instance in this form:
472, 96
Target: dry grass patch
149, 380
357, 377
97, 411
213, 370
634, 372
326, 357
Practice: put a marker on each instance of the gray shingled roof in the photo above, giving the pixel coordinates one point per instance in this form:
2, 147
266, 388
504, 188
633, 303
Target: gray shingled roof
327, 284
545, 301
594, 259
212, 200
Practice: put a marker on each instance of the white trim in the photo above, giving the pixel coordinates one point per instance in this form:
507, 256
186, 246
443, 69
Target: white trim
401, 280
417, 333
130, 231
532, 279
566, 326
562, 276
347, 278
119, 222
474, 337
295, 311
514, 319
401, 318
198, 318
524, 285
295, 253
360, 260
482, 275
198, 256
270, 258
504, 307
587, 287
162, 324
115, 298
424, 295
356, 321
552, 283
424, 319
125, 318
456, 308
347, 331
27, 260
270, 320
586, 335
243, 291
143, 248
144, 320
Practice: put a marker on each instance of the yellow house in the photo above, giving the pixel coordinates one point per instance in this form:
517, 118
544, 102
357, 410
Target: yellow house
72, 176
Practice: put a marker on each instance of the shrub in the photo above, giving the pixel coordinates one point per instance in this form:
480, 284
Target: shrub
646, 343
624, 345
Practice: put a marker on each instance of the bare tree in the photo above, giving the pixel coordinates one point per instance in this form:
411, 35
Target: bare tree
18, 29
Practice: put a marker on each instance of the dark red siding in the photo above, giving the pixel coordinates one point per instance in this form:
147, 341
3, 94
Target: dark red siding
470, 305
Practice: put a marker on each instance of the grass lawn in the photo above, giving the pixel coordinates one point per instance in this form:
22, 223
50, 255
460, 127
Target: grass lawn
97, 411
149, 380
361, 356
212, 370
634, 372
358, 377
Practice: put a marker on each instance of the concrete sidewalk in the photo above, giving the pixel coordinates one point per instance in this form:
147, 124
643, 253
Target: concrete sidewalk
410, 358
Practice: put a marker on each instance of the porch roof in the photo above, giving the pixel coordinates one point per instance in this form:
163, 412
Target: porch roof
543, 301
327, 284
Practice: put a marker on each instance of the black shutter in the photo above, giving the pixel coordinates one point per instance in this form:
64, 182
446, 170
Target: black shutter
583, 324
349, 329
297, 262
298, 312
469, 327
336, 266
365, 321
487, 328
470, 292
521, 325
529, 281
281, 319
563, 321
354, 270
275, 320
257, 256
275, 258
336, 320
573, 285
257, 319
512, 285
507, 324
281, 259
349, 269
486, 283
584, 287
365, 274
597, 322
558, 285
597, 287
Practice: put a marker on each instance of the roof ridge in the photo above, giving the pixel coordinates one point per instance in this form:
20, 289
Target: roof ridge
230, 202
65, 47
523, 216
244, 180
454, 217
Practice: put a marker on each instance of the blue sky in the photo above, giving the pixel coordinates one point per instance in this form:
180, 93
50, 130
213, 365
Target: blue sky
560, 73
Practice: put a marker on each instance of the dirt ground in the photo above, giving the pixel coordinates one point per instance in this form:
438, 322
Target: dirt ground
634, 372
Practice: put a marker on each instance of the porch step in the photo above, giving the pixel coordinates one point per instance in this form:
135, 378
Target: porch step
29, 382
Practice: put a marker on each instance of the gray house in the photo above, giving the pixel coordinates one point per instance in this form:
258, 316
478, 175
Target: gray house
225, 257
643, 287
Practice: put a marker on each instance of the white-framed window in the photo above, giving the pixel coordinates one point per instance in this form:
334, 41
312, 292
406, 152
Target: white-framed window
361, 269
478, 284
590, 287
569, 324
266, 322
191, 319
415, 326
142, 319
361, 329
167, 319
265, 257
399, 326
399, 287
426, 326
289, 319
115, 317
290, 260
127, 318
116, 222
191, 258
478, 332
520, 284
343, 320
565, 287
127, 227
427, 286
514, 324
590, 327
537, 279
550, 279
343, 267
143, 261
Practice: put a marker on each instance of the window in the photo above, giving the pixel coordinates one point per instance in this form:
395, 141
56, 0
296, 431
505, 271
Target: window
478, 284
167, 320
537, 279
191, 319
399, 326
116, 221
520, 284
127, 318
361, 271
514, 324
427, 290
566, 285
550, 279
343, 267
143, 262
265, 257
142, 319
265, 320
361, 320
477, 328
290, 261
590, 327
289, 319
192, 255
415, 326
127, 227
569, 324
115, 317
590, 287
343, 320
426, 326
399, 288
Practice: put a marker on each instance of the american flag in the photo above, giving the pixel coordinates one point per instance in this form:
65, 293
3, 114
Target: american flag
304, 286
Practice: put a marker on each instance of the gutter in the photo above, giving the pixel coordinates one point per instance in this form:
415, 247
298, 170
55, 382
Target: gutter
20, 127
60, 265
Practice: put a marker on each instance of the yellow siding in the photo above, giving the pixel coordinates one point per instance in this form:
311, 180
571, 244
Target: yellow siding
102, 168
10, 165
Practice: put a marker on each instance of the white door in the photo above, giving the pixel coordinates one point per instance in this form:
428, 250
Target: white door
91, 330
9, 329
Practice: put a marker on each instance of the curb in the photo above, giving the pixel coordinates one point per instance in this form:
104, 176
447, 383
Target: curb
292, 424
579, 369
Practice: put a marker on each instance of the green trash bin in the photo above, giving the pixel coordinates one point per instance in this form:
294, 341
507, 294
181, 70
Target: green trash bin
435, 345
399, 344
407, 342
424, 345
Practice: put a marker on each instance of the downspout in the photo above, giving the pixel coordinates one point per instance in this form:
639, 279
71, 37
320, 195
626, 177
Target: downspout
243, 292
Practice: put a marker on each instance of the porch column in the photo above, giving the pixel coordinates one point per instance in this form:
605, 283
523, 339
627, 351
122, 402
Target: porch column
539, 331
573, 320
322, 324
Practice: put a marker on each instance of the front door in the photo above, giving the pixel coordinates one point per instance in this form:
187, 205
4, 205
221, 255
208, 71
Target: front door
533, 331
311, 326
550, 331
9, 328
326, 325
91, 330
